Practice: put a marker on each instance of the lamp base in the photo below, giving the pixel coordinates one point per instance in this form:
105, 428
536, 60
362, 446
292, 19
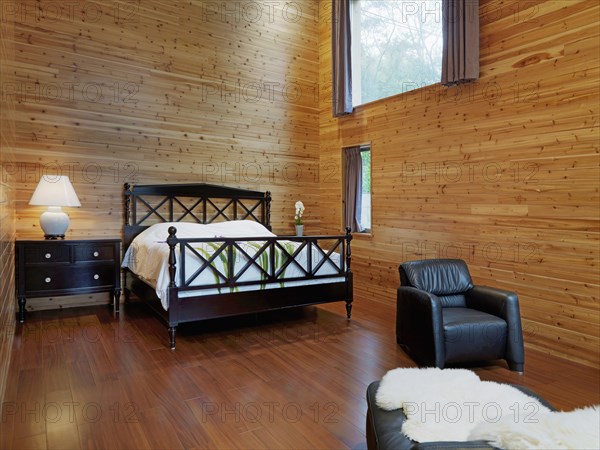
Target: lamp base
54, 236
54, 223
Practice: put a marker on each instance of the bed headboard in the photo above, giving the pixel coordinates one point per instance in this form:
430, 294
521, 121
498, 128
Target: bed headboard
199, 203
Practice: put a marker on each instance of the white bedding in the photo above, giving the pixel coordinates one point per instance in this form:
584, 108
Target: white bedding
147, 257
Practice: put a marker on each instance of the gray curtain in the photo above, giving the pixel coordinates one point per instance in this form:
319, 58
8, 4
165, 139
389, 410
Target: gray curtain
460, 59
340, 55
353, 188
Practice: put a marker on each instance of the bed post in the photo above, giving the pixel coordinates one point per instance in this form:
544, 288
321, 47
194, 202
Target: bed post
127, 194
349, 284
267, 211
172, 337
172, 242
127, 187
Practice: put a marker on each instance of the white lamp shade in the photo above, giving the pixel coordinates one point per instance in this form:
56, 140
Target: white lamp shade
54, 191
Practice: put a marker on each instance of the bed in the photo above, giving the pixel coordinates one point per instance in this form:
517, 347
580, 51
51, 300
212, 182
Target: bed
198, 251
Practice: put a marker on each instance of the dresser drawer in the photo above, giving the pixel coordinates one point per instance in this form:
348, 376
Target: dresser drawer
55, 277
95, 252
35, 254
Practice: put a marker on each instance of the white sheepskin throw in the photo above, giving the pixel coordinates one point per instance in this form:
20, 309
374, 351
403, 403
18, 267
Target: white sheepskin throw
447, 404
578, 429
455, 405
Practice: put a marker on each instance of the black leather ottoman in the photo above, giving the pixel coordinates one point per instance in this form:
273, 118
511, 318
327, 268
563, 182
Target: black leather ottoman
383, 427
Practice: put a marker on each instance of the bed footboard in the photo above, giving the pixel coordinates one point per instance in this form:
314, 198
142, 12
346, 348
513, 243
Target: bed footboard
271, 257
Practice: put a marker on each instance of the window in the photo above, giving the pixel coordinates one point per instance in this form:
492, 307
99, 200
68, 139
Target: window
365, 200
357, 188
396, 47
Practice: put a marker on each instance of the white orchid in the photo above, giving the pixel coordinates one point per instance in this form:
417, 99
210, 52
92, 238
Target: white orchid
299, 211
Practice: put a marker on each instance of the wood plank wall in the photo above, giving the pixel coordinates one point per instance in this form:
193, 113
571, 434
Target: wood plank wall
7, 205
503, 173
177, 91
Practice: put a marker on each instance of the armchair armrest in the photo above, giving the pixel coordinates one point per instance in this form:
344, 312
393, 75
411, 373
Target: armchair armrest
419, 325
504, 304
491, 300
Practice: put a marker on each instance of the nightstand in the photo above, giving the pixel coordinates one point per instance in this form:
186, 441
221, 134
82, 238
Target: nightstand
46, 268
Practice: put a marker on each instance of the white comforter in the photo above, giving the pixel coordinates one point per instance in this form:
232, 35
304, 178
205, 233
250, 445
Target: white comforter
147, 256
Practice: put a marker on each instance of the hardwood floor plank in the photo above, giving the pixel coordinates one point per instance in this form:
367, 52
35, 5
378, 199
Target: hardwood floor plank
63, 437
30, 404
10, 406
115, 417
153, 419
90, 438
223, 424
37, 442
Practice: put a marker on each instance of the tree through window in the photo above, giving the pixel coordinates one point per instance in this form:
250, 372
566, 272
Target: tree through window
396, 47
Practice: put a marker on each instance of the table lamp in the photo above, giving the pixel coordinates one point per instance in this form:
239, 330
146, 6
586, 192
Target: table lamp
54, 192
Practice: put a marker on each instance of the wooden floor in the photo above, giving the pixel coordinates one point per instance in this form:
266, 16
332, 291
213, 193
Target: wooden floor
83, 378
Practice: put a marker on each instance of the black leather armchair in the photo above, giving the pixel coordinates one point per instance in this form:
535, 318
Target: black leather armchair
441, 317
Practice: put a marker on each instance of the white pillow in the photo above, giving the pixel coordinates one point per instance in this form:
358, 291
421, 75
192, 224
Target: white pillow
233, 228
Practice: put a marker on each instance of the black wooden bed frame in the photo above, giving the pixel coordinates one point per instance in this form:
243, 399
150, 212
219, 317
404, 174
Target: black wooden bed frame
239, 204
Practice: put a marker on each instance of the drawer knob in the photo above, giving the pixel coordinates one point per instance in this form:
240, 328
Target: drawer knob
47, 279
48, 255
96, 276
96, 254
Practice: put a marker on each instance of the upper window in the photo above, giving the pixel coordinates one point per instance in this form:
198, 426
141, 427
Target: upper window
396, 47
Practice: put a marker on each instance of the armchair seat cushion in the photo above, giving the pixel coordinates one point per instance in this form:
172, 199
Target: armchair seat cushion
472, 335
